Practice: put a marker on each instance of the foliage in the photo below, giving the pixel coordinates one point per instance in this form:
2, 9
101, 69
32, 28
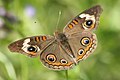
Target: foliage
21, 18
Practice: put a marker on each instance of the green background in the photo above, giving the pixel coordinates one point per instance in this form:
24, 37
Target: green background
103, 64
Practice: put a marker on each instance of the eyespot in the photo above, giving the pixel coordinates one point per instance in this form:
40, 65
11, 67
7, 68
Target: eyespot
88, 23
85, 41
51, 58
63, 61
81, 51
32, 49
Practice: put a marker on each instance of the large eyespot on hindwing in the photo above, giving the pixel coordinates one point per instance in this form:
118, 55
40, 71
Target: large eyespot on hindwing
89, 21
51, 57
85, 41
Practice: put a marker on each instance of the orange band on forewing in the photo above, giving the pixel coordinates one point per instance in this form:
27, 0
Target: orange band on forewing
44, 38
92, 26
70, 26
32, 53
75, 21
37, 39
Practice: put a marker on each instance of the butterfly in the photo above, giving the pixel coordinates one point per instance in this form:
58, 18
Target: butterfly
65, 49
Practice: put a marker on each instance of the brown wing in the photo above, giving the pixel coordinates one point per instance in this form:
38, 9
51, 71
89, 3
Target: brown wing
31, 46
55, 57
87, 20
82, 44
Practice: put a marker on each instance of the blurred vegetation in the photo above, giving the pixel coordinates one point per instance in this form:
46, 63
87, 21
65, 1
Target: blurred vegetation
22, 18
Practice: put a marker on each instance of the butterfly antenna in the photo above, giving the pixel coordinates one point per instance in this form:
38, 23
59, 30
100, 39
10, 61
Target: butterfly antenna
58, 20
66, 73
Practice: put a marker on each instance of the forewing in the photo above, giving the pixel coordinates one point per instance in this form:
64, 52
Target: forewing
31, 46
87, 20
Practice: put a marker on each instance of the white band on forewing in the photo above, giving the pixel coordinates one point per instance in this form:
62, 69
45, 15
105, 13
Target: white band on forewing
26, 45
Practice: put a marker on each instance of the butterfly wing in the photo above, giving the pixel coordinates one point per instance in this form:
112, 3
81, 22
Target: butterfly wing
87, 20
31, 46
55, 57
82, 44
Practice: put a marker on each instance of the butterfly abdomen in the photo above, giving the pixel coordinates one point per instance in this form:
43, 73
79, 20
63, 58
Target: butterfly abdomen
63, 42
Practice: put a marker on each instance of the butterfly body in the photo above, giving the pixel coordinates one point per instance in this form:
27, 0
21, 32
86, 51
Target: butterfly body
65, 49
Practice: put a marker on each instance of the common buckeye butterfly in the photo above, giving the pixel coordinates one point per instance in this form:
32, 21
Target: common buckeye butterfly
65, 49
